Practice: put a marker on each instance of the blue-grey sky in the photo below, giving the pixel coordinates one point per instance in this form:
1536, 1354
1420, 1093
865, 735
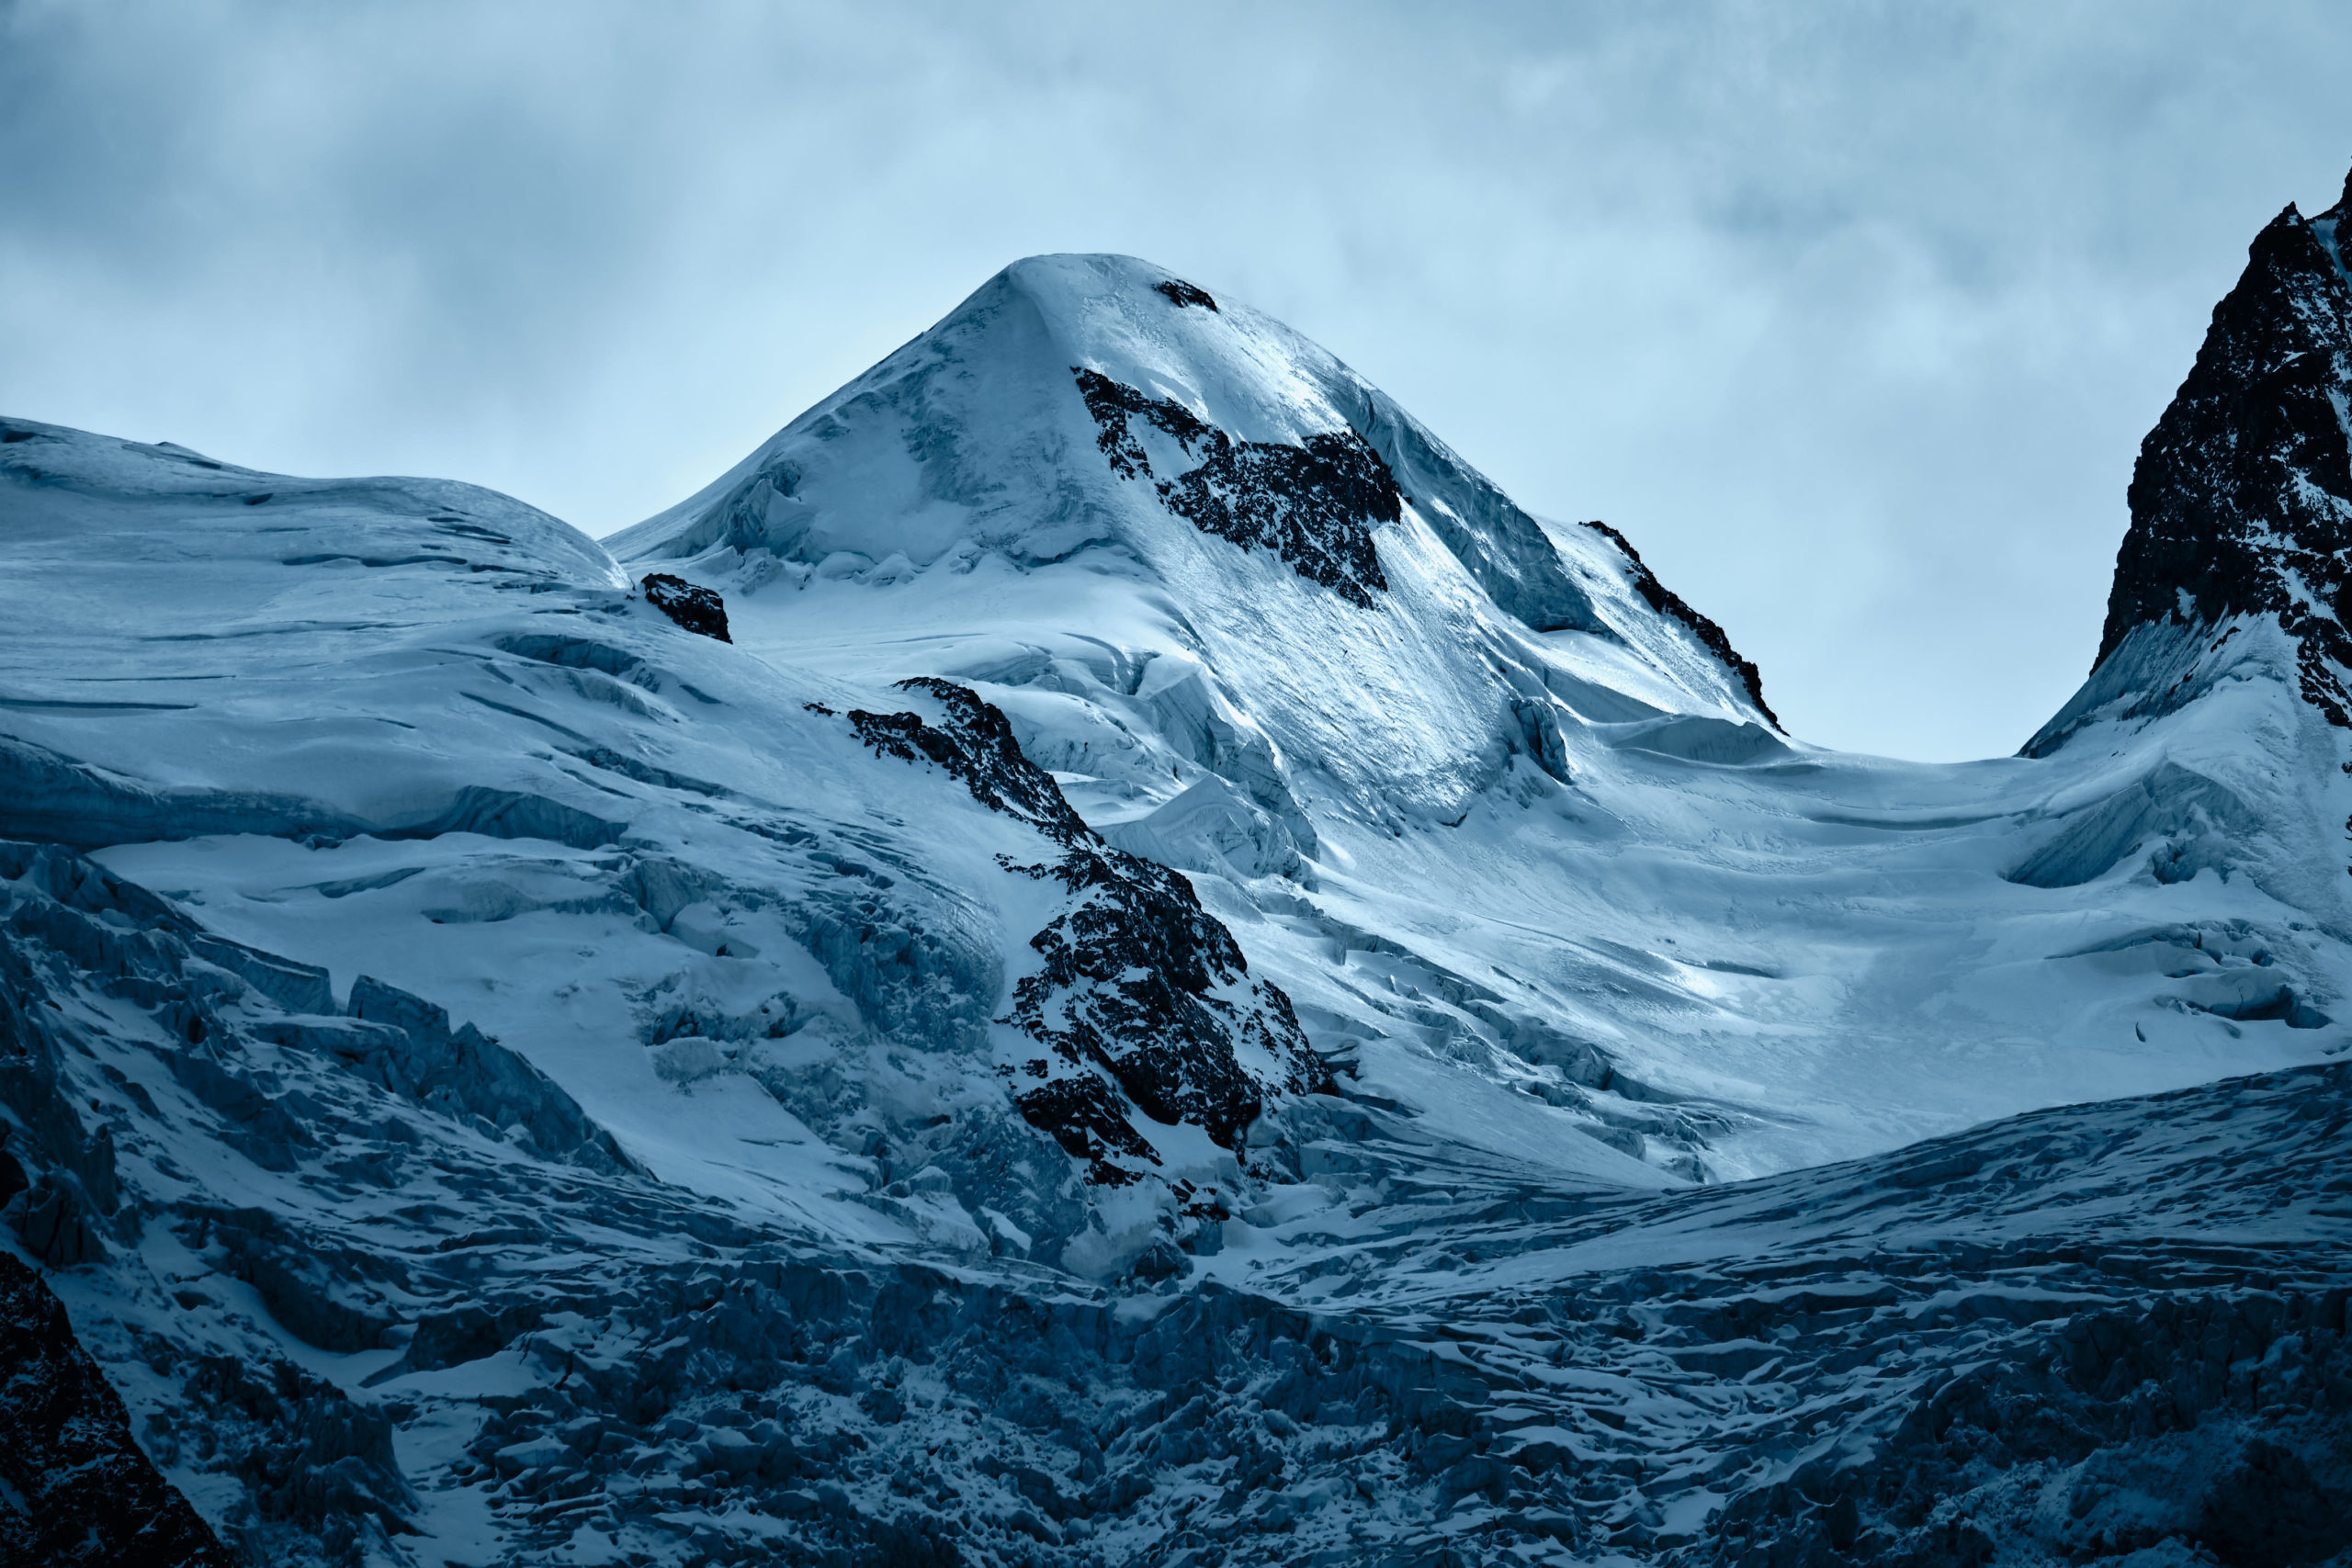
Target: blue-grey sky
1851, 316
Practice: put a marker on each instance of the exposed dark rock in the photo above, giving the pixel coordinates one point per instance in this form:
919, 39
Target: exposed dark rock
1087, 1117
974, 745
696, 609
2241, 498
1315, 504
74, 1487
1665, 601
1112, 403
1181, 293
1139, 982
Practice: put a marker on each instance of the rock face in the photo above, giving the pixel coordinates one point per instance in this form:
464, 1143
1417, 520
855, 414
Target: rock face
1315, 504
75, 1488
1179, 292
696, 609
2241, 498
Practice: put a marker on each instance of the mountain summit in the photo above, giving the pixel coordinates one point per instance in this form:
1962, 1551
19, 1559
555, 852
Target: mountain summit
1259, 438
1097, 415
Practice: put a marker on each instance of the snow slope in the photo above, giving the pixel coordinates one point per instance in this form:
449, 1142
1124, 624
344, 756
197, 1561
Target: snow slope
419, 732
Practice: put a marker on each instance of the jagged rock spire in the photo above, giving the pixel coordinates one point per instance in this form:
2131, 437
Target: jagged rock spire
2241, 499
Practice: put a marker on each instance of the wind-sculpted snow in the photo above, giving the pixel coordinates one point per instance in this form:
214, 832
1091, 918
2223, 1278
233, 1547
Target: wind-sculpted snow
2200, 821
48, 796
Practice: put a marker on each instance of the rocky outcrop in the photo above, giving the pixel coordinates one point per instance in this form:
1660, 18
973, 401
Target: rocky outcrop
1144, 1001
1181, 293
2241, 498
694, 608
1665, 601
1314, 504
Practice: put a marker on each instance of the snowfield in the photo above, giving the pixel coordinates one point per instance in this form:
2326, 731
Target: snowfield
1151, 972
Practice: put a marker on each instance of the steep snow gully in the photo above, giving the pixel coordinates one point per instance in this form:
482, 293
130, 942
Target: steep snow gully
1102, 954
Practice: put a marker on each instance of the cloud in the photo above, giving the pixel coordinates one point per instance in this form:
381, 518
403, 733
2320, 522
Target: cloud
1851, 316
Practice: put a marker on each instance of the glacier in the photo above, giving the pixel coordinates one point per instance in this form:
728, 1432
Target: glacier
1103, 953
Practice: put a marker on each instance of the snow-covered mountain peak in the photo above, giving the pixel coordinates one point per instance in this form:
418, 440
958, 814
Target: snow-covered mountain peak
1091, 407
1103, 953
1430, 757
1229, 590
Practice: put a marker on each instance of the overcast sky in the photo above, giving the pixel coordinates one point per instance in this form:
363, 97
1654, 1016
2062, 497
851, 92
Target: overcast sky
1851, 316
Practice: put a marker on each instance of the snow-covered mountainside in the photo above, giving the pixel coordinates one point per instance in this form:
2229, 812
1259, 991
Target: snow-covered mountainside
1505, 820
1102, 954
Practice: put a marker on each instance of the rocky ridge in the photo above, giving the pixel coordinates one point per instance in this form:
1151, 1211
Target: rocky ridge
1665, 601
2242, 497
